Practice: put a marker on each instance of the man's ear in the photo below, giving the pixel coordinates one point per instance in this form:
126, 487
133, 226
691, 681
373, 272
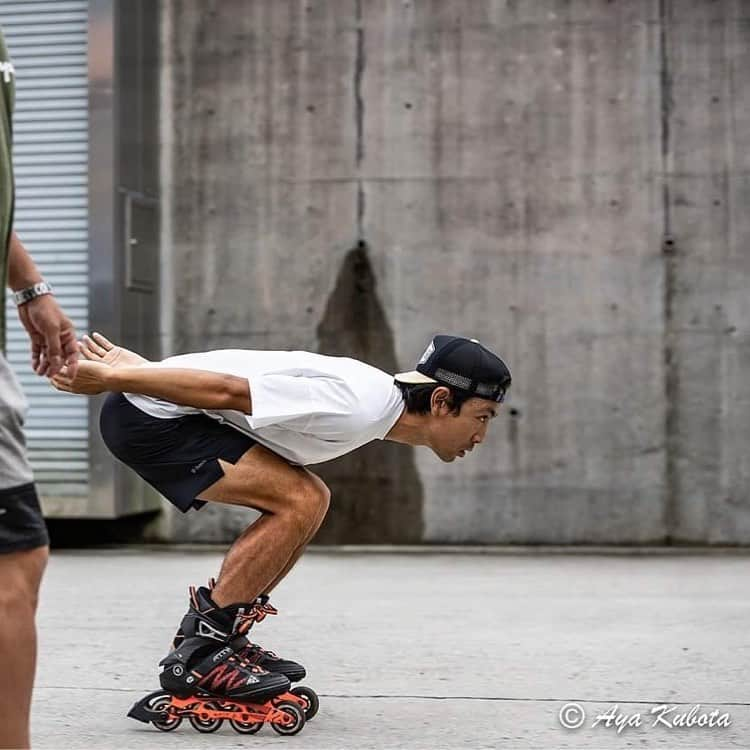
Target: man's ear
440, 401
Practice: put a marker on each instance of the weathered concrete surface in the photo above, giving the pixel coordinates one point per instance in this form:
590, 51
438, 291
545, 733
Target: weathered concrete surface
513, 170
708, 147
510, 156
419, 651
264, 205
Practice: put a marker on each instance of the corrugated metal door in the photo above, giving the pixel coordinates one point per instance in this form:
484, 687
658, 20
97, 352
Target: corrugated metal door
47, 42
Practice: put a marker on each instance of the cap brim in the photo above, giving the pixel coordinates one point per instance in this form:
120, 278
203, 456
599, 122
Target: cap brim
413, 377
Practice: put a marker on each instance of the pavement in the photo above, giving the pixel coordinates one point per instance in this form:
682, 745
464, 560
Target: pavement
421, 650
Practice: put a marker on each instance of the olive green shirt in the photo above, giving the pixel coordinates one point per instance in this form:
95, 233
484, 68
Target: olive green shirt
7, 99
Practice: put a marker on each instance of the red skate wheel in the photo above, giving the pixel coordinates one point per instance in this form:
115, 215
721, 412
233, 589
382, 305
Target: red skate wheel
310, 697
202, 722
245, 727
162, 703
295, 719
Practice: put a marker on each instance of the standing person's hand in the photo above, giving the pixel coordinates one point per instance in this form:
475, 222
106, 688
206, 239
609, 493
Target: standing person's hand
53, 337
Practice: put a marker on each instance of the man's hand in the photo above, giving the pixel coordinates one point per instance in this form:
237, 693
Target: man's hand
89, 378
53, 338
97, 348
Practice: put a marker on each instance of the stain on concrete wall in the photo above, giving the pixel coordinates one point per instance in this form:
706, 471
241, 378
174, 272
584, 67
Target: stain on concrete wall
376, 491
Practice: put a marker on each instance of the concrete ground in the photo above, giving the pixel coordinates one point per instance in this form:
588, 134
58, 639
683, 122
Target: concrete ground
420, 650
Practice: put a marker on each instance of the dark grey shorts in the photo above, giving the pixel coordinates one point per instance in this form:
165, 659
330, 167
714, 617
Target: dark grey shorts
21, 524
14, 465
178, 457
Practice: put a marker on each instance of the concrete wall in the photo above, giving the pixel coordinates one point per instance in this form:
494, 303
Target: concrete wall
707, 294
564, 180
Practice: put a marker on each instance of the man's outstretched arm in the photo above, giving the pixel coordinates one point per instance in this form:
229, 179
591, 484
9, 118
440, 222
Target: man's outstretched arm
196, 388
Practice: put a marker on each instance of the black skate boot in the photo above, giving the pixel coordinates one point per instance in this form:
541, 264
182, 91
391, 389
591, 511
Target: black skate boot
247, 615
206, 657
265, 658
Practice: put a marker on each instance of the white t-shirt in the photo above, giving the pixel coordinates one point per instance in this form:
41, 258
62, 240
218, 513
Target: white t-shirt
308, 408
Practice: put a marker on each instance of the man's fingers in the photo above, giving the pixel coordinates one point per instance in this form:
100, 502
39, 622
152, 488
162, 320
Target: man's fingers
36, 353
53, 352
60, 385
94, 347
63, 380
87, 353
70, 353
43, 366
54, 364
105, 343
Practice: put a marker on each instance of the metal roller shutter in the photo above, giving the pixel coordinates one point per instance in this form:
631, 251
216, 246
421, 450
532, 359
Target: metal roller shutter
48, 46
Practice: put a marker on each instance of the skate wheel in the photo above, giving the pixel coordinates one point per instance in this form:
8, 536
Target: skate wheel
245, 727
295, 719
201, 720
160, 704
310, 697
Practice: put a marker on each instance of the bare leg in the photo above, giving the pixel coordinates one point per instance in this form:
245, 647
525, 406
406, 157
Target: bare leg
21, 574
291, 500
254, 560
297, 554
282, 574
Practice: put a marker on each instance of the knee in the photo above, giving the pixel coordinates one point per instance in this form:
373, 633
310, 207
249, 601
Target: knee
309, 505
323, 501
22, 575
322, 495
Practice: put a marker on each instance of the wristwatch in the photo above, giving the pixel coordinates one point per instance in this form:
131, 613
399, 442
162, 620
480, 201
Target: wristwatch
23, 296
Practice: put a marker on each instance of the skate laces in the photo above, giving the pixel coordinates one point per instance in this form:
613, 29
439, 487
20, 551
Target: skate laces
258, 611
246, 618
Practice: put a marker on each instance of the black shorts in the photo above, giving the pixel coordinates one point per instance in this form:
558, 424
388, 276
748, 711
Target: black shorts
22, 526
178, 457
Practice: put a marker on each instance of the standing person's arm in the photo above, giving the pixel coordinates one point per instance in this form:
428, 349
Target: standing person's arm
196, 388
53, 337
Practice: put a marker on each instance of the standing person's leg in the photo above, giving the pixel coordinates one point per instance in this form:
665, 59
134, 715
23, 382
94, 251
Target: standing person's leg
21, 574
23, 555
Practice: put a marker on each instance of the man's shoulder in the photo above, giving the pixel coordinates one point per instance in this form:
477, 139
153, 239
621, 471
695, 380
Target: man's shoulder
357, 368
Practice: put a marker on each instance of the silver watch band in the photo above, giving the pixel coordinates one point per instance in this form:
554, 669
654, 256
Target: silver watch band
23, 296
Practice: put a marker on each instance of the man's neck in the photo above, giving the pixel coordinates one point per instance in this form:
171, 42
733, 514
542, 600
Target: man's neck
410, 429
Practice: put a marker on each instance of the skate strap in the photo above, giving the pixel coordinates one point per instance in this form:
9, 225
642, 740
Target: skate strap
211, 661
238, 643
244, 618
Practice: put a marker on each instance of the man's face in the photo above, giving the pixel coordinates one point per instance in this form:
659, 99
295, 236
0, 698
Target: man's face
454, 435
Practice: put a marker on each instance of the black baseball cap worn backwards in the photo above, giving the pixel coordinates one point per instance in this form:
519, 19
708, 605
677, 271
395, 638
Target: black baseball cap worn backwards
463, 364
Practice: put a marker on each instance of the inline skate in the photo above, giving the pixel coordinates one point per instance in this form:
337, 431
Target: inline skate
205, 678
